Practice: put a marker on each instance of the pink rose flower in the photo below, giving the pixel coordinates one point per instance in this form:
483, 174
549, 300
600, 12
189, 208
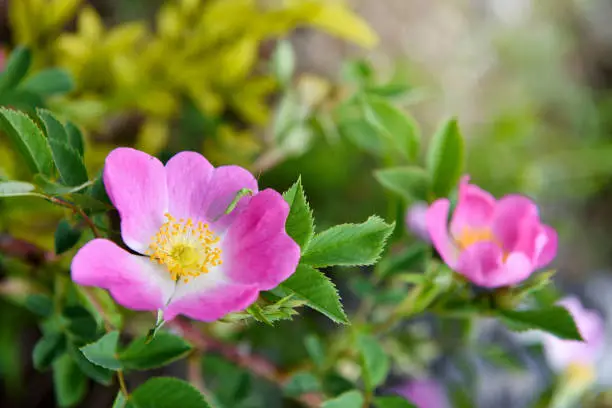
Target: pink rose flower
191, 258
492, 243
564, 354
416, 220
424, 393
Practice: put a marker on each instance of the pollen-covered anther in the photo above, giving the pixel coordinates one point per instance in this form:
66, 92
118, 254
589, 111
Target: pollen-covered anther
187, 249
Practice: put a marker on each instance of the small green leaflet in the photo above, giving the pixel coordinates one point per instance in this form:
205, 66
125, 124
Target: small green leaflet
28, 139
375, 361
349, 244
392, 402
555, 320
163, 349
15, 69
350, 399
167, 392
104, 351
69, 382
411, 183
317, 290
445, 158
16, 188
300, 223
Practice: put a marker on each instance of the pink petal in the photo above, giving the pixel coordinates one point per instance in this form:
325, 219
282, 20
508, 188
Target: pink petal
549, 250
212, 303
189, 175
136, 184
482, 264
132, 280
516, 223
474, 209
256, 249
225, 183
436, 220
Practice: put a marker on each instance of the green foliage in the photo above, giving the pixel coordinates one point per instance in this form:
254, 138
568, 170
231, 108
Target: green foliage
41, 305
50, 347
392, 402
28, 139
163, 349
16, 68
350, 399
93, 371
166, 392
445, 158
49, 82
555, 320
300, 222
69, 383
349, 244
411, 183
16, 188
66, 237
400, 130
317, 290
283, 62
374, 360
301, 383
103, 352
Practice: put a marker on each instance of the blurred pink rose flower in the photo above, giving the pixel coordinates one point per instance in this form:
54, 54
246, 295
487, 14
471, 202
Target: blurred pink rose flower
424, 393
191, 258
416, 220
564, 354
493, 243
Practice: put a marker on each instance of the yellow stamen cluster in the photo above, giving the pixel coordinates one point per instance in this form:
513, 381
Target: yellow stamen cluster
185, 248
469, 236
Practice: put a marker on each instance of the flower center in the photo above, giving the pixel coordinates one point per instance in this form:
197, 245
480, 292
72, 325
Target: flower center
187, 249
470, 236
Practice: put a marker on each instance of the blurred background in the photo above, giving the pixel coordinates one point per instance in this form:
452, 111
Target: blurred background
270, 85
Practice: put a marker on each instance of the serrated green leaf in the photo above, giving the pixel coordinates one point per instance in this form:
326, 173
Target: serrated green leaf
411, 183
69, 383
317, 290
48, 349
445, 158
93, 371
300, 223
28, 139
15, 69
163, 349
69, 163
16, 188
349, 244
41, 305
56, 189
52, 127
375, 361
75, 138
283, 62
398, 128
52, 81
350, 399
66, 237
555, 320
301, 383
166, 392
103, 352
392, 402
